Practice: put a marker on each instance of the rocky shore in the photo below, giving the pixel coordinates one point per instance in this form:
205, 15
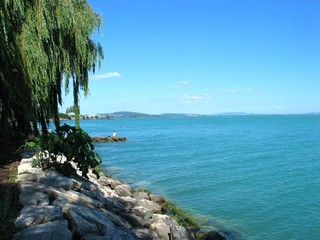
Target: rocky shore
108, 139
57, 207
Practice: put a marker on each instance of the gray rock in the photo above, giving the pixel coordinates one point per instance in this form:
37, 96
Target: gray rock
47, 231
34, 215
32, 193
84, 220
123, 190
89, 186
142, 212
145, 234
165, 219
127, 202
26, 168
149, 205
134, 220
33, 198
57, 181
181, 233
124, 234
28, 177
104, 181
59, 202
156, 198
162, 230
73, 197
141, 195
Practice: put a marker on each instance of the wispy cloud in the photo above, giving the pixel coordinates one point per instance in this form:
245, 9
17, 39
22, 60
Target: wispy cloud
105, 76
280, 107
194, 98
183, 83
180, 84
231, 91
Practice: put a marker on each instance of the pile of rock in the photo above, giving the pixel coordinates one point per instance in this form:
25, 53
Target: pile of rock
57, 207
108, 139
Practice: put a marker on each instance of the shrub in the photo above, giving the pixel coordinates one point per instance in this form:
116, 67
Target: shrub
71, 142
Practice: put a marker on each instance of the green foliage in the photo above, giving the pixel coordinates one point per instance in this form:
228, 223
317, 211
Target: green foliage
43, 45
181, 216
71, 142
65, 116
70, 109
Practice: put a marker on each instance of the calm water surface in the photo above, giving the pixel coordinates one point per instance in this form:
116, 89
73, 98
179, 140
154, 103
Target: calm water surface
257, 177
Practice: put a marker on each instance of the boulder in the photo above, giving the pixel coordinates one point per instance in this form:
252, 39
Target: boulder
145, 233
33, 198
123, 190
84, 220
141, 195
26, 168
56, 181
134, 220
128, 202
156, 198
47, 231
154, 207
181, 233
73, 197
32, 193
142, 212
104, 181
34, 215
214, 235
162, 229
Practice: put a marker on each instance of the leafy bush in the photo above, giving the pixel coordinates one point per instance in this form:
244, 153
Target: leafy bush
71, 142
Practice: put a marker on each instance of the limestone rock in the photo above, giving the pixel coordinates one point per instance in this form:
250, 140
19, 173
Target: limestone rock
127, 202
33, 198
149, 205
104, 181
34, 215
84, 220
123, 190
141, 195
156, 198
162, 230
134, 220
57, 181
142, 212
181, 233
47, 231
145, 234
73, 197
26, 168
165, 219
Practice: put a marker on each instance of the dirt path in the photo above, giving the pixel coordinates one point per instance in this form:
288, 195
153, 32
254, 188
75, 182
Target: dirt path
9, 190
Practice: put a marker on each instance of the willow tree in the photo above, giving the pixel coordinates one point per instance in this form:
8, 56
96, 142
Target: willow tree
44, 44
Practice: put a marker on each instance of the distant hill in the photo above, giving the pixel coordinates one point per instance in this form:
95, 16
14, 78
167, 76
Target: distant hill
127, 114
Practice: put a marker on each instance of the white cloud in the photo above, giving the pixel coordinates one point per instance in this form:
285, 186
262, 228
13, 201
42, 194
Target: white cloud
280, 107
194, 98
231, 91
105, 76
182, 83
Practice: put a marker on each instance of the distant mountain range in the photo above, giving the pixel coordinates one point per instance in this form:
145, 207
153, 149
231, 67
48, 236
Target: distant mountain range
128, 114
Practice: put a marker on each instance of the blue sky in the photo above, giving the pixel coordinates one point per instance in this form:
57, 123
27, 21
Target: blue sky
206, 56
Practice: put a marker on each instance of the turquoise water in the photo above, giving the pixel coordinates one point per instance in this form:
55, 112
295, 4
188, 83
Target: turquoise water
255, 177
